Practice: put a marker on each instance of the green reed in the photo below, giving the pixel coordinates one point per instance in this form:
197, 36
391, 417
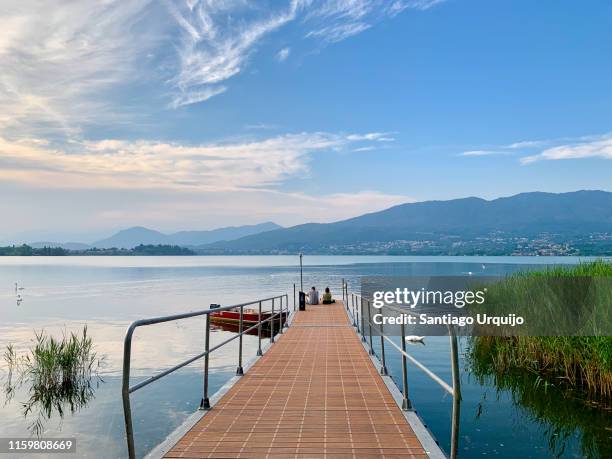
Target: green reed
584, 361
58, 374
560, 411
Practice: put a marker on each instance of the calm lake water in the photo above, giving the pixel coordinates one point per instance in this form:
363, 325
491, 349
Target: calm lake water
62, 294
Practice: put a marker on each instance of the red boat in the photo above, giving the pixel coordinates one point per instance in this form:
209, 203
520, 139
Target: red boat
250, 317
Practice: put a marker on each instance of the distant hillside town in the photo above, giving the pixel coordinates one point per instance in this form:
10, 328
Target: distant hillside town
540, 224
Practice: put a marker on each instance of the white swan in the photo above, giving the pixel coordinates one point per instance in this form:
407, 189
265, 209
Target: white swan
414, 339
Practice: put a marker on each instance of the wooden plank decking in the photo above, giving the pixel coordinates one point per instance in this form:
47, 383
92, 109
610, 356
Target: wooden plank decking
315, 393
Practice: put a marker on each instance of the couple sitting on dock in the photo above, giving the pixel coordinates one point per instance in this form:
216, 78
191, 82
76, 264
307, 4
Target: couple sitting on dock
313, 296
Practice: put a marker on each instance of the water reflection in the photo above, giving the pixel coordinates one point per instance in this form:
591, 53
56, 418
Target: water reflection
234, 328
58, 376
18, 296
558, 412
107, 293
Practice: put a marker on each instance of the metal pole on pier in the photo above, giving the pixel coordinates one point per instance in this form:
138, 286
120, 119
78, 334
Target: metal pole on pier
259, 332
370, 326
205, 403
239, 370
301, 278
456, 393
383, 368
280, 316
346, 294
362, 320
272, 323
406, 405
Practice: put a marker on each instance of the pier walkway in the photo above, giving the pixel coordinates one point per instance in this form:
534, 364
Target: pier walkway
315, 393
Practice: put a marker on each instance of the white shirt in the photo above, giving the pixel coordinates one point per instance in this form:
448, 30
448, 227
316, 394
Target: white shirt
313, 297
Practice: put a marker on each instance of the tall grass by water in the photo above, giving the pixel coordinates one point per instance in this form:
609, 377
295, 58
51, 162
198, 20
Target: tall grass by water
559, 411
58, 375
580, 362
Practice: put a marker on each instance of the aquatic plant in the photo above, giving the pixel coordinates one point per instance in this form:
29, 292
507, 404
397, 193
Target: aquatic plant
59, 375
560, 411
584, 361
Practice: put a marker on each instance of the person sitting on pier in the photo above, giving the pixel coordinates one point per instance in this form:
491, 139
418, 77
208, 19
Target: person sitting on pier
313, 296
327, 297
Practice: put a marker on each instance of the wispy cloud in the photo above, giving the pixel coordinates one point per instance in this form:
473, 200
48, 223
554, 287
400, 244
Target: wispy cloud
598, 148
505, 149
261, 126
371, 141
218, 38
145, 164
527, 144
215, 46
171, 184
283, 54
69, 65
530, 151
338, 32
59, 59
372, 136
360, 149
482, 153
199, 95
418, 4
337, 20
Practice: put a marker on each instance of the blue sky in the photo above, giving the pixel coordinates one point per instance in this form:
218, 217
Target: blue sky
196, 114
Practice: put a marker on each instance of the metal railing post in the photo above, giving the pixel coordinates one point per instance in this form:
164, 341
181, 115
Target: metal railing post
455, 364
287, 319
125, 392
362, 320
357, 315
353, 305
383, 368
370, 327
456, 393
280, 316
239, 370
259, 332
346, 295
272, 323
343, 290
293, 297
406, 405
205, 402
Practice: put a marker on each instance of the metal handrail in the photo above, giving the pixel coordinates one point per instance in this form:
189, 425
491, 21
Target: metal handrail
426, 370
454, 390
126, 389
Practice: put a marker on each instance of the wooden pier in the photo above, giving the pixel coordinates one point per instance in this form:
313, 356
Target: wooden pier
315, 393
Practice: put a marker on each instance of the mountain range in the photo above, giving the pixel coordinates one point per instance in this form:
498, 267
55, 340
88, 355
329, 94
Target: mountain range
131, 237
527, 215
459, 226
